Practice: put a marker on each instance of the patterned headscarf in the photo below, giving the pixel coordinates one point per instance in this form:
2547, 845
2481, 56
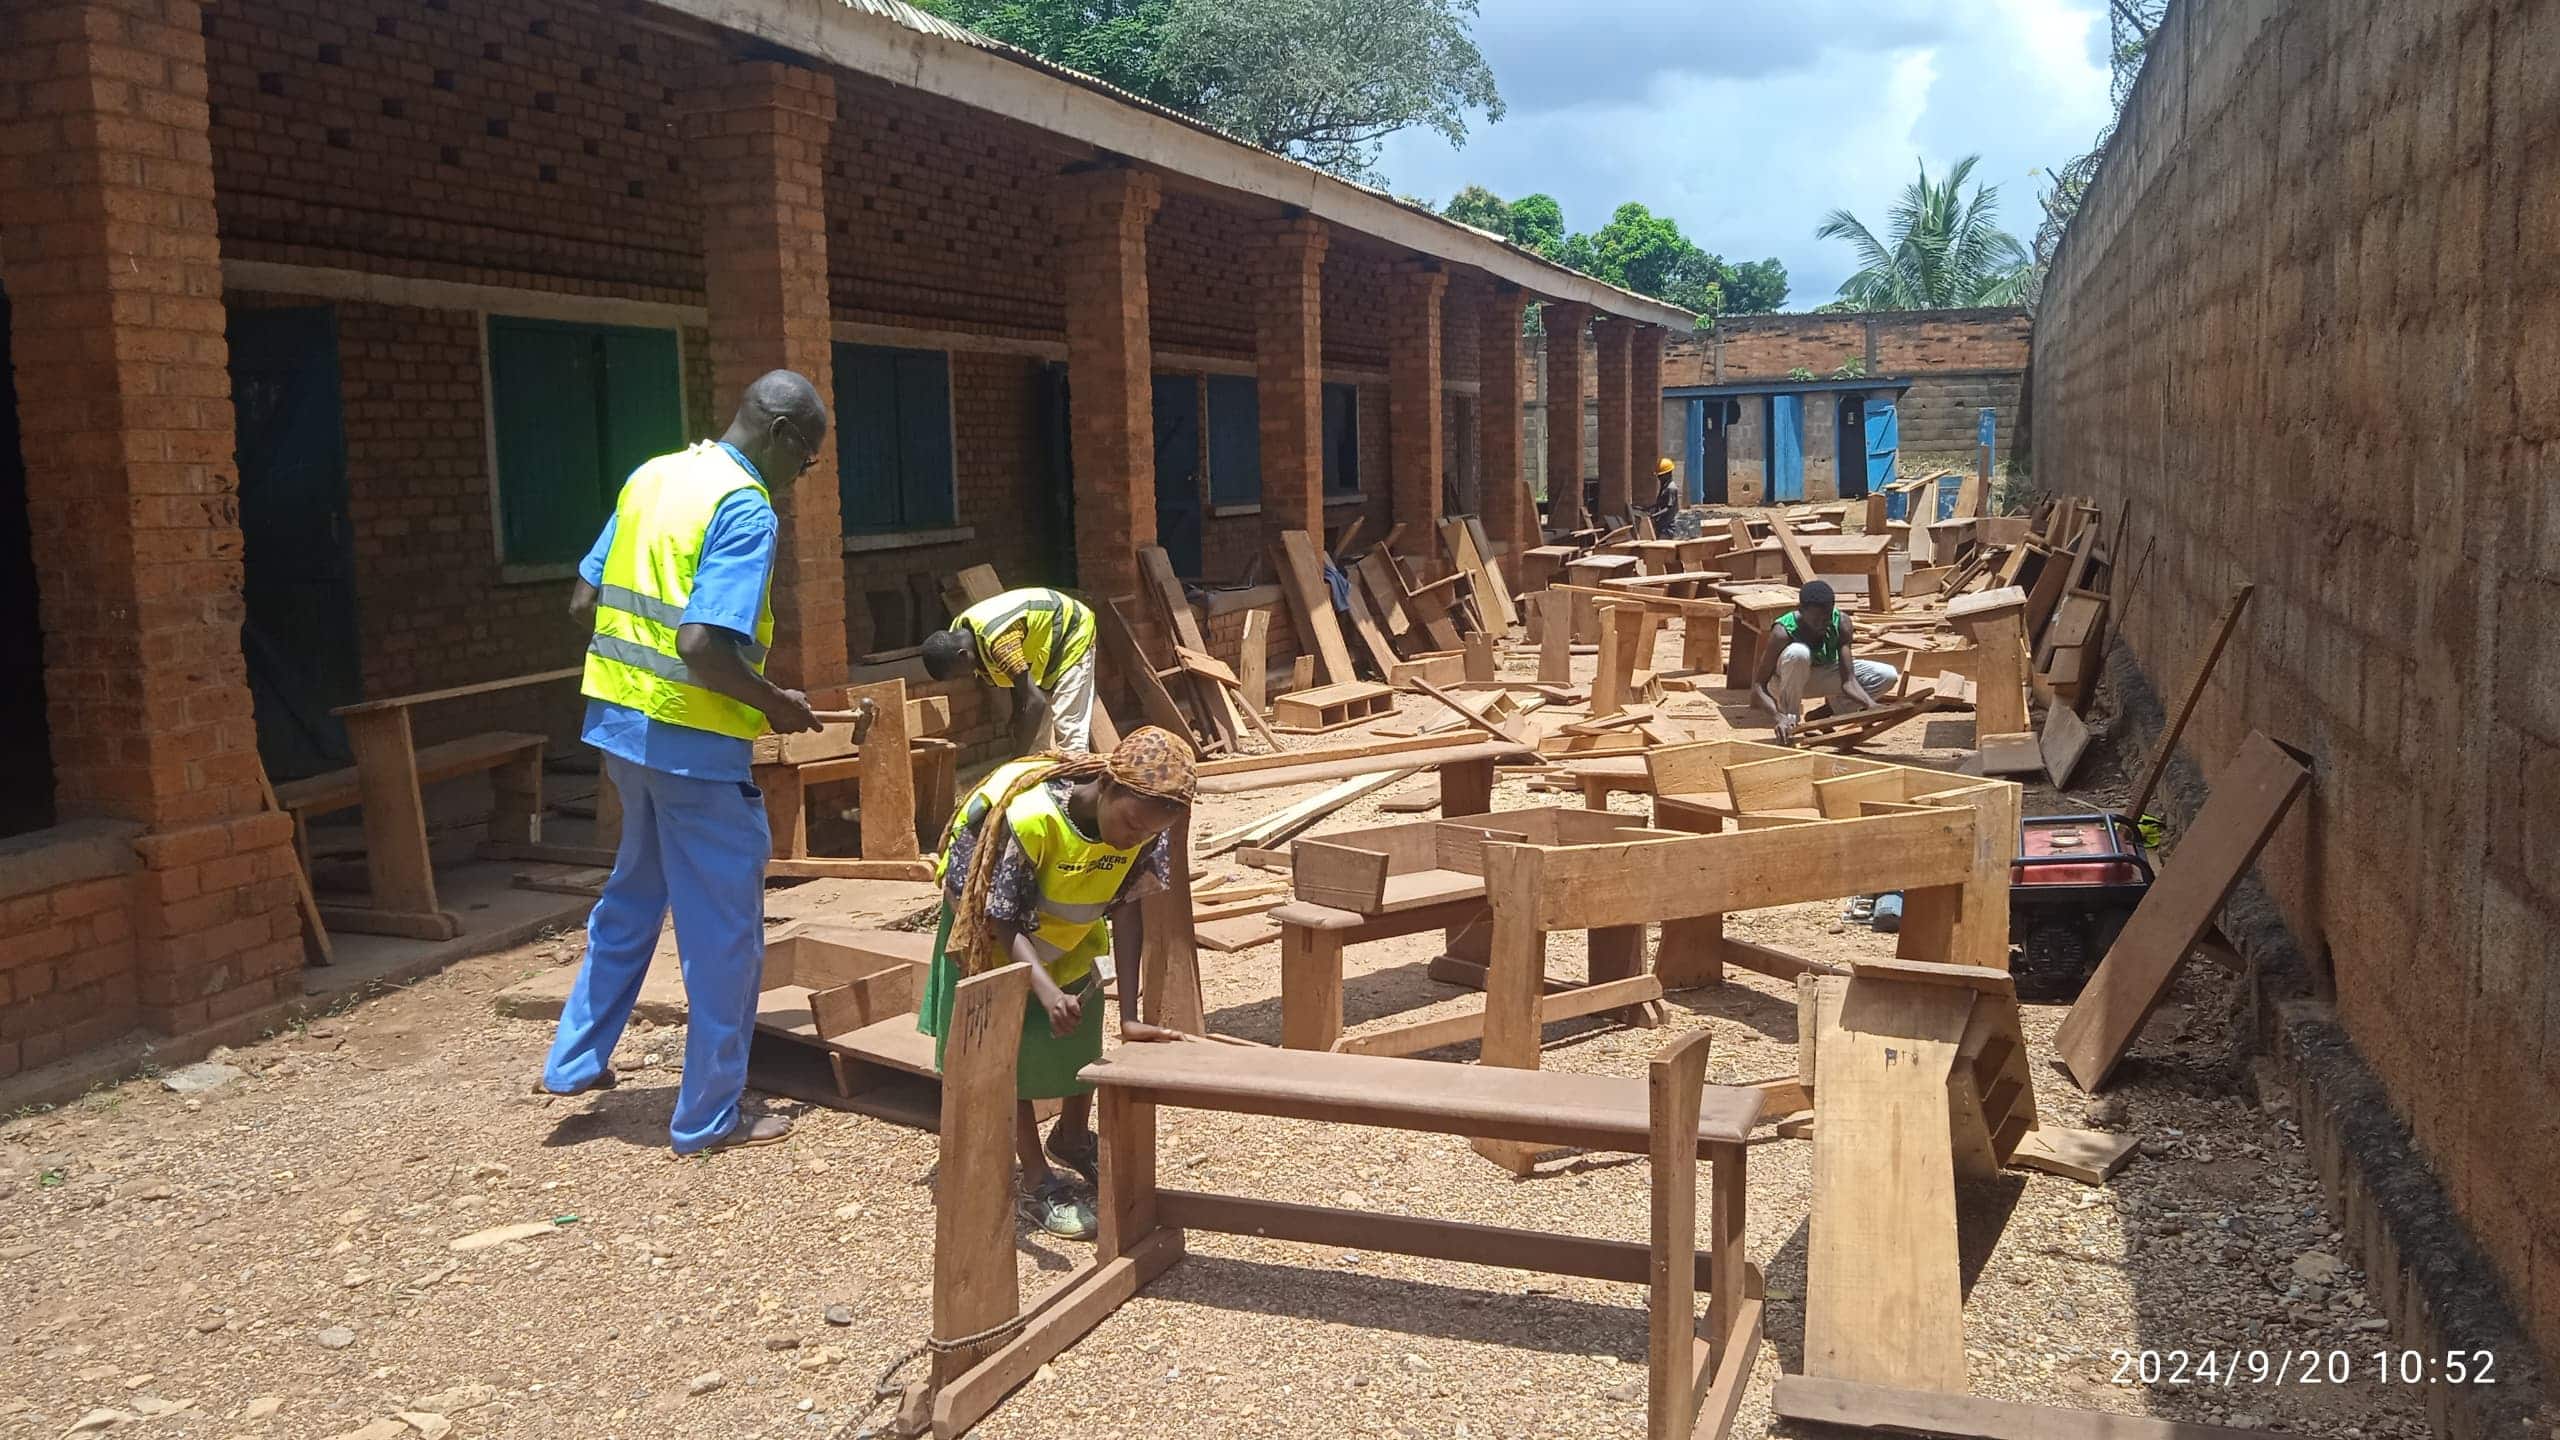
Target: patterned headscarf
1151, 760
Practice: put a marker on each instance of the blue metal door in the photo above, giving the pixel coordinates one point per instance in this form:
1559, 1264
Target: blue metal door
1786, 449
1178, 471
298, 555
1884, 442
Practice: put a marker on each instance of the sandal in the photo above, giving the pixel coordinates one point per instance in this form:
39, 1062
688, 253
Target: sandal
605, 1081
762, 1130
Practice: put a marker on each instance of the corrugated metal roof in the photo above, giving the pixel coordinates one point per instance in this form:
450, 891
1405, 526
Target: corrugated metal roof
899, 12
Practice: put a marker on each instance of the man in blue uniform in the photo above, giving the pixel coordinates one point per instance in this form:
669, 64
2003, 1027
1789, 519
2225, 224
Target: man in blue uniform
677, 590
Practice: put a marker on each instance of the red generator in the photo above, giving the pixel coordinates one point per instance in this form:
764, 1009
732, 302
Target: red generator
2075, 882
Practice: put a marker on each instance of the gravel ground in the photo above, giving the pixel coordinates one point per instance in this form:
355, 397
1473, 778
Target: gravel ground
273, 1257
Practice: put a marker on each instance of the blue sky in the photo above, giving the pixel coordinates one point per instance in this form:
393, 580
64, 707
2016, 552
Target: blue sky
1749, 120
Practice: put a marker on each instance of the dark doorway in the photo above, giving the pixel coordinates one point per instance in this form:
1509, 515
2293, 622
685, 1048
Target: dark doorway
25, 743
1178, 471
1710, 420
1851, 447
298, 563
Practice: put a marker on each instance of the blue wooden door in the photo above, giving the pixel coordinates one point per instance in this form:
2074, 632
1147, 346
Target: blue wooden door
298, 556
1178, 471
1884, 442
1786, 449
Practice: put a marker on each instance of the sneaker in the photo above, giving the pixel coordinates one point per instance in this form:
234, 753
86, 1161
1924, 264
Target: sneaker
1060, 1211
1078, 1151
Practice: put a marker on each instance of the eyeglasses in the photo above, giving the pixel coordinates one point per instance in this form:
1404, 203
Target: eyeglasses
784, 427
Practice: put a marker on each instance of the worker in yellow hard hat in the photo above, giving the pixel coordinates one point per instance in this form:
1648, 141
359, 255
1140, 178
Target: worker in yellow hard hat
1666, 500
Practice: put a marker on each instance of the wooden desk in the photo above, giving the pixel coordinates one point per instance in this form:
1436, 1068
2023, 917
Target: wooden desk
1868, 555
1755, 609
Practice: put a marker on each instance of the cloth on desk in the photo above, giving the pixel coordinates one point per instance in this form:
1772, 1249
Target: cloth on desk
698, 847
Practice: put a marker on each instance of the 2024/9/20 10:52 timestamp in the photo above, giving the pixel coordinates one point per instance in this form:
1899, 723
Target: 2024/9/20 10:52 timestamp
2303, 1367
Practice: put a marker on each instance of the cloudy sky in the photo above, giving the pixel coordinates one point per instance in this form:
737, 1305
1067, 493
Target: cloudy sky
1749, 120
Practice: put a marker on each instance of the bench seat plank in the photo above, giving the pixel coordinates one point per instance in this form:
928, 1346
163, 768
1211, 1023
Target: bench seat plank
340, 790
1589, 1112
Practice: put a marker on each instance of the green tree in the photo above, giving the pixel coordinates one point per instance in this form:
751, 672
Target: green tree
1754, 287
1537, 223
1637, 249
1324, 81
1945, 252
1481, 208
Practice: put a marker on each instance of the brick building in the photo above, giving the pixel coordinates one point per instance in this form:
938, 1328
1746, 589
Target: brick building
335, 324
2305, 206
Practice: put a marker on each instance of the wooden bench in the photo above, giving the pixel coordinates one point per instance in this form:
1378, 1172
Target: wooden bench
386, 780
1670, 1115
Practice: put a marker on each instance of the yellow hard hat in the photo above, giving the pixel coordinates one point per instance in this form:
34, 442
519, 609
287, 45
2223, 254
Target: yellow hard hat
1664, 466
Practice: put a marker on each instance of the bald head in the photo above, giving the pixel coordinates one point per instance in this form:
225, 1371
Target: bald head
781, 425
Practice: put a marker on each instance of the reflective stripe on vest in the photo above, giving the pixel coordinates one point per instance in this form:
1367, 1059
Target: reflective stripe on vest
1079, 879
1057, 631
660, 520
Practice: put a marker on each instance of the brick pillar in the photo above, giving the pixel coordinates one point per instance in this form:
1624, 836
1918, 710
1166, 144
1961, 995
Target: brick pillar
1616, 492
758, 134
1509, 519
124, 402
1644, 408
1288, 358
1565, 321
1103, 216
1414, 456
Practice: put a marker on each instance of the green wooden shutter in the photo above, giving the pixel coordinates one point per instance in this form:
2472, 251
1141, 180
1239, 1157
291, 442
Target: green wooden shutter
1235, 441
924, 439
867, 439
550, 439
643, 407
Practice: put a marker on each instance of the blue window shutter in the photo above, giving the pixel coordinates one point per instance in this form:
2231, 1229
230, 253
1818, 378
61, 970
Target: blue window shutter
1235, 440
924, 438
550, 439
867, 466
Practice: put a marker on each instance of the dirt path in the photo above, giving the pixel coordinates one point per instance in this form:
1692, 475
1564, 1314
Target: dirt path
287, 1236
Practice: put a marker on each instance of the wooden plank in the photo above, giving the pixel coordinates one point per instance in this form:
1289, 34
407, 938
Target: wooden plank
974, 1285
1591, 886
1570, 1003
315, 931
1379, 647
2250, 797
2014, 754
843, 1009
1083, 1300
1884, 1297
1208, 695
1777, 784
817, 868
1120, 645
1592, 1112
978, 582
1972, 977
1343, 877
2064, 741
2000, 680
1555, 637
1254, 659
1971, 1417
1622, 1261
1799, 565
1614, 679
888, 776
1301, 767
2168, 742
1301, 571
2091, 1157
458, 692
1674, 1079
398, 870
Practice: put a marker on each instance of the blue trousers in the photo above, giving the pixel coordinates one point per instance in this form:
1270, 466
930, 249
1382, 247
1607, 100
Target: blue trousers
698, 846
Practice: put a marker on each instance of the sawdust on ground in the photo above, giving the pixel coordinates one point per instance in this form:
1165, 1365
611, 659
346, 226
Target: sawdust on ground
287, 1237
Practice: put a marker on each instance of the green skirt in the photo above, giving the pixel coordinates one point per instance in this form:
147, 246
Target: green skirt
1048, 1062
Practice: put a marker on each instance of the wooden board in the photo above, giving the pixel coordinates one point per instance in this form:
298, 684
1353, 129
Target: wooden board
974, 1284
1971, 1417
1799, 565
2018, 753
1344, 877
1301, 568
1555, 637
1120, 644
458, 692
1493, 599
1377, 645
2168, 742
1592, 886
1884, 1300
1254, 659
2091, 1157
887, 773
2065, 740
2250, 797
1208, 695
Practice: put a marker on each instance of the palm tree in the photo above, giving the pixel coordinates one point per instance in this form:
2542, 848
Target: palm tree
1946, 252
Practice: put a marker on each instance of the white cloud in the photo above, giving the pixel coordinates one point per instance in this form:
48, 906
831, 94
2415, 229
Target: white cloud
1749, 122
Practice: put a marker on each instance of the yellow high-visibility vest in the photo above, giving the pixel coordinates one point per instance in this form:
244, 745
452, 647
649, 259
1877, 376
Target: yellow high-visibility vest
1080, 879
1057, 631
659, 522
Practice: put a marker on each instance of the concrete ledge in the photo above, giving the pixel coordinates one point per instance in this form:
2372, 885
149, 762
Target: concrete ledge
67, 854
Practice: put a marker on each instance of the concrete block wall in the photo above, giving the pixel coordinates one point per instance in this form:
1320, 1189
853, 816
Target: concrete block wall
2306, 333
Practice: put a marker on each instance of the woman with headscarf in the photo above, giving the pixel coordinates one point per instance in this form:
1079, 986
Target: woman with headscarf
1079, 840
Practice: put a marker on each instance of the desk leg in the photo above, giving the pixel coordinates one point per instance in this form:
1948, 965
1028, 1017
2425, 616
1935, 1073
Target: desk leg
1128, 1208
1880, 584
1691, 954
1727, 1274
936, 783
396, 860
1595, 792
515, 812
1466, 787
1310, 988
1617, 953
1698, 643
1169, 985
1674, 1086
785, 809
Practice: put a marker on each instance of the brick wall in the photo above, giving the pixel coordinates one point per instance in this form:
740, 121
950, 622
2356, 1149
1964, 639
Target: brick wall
1959, 361
66, 942
2305, 332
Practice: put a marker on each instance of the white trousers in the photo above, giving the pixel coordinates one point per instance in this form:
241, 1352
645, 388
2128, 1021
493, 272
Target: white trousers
1070, 725
1797, 678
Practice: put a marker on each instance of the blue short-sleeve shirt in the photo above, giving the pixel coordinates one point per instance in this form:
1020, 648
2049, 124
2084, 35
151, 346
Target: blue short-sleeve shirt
729, 592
